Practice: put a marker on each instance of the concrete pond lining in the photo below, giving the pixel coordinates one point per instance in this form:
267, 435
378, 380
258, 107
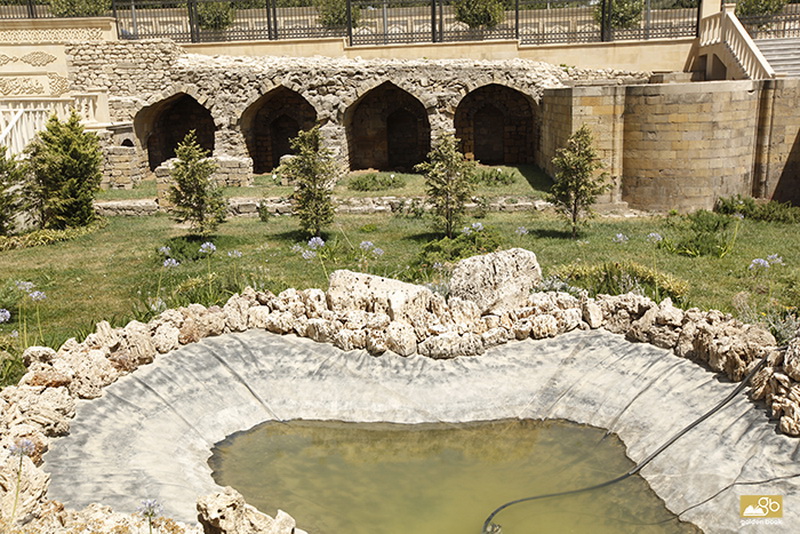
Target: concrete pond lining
151, 434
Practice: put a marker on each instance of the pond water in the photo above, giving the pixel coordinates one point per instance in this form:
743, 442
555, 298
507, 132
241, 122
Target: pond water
382, 478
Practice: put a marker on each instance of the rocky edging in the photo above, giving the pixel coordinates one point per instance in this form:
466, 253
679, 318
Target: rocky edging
490, 304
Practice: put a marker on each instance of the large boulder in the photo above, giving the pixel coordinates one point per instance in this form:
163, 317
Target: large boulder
403, 302
498, 281
227, 512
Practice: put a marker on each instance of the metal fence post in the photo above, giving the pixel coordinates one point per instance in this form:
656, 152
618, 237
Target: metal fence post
349, 23
194, 28
31, 9
274, 5
605, 18
433, 21
516, 20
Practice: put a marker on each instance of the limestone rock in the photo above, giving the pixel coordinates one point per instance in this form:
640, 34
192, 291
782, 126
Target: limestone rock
497, 281
235, 310
494, 336
592, 314
376, 342
463, 313
166, 338
315, 302
227, 512
212, 323
791, 359
322, 330
401, 301
138, 343
32, 486
400, 338
620, 311
257, 317
49, 409
451, 345
348, 339
37, 354
92, 372
543, 326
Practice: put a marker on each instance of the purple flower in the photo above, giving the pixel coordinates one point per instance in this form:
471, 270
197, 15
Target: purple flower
150, 508
377, 252
521, 230
171, 262
775, 259
654, 237
5, 315
758, 264
23, 447
298, 248
315, 242
37, 296
466, 230
738, 216
165, 250
366, 245
309, 255
207, 248
234, 254
27, 287
620, 238
477, 226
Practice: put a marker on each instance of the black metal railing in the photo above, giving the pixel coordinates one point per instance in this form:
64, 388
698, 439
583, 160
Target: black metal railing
783, 25
381, 22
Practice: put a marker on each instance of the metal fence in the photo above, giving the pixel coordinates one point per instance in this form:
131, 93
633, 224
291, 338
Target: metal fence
780, 26
377, 22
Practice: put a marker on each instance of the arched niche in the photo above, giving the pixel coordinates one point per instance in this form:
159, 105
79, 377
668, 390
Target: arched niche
387, 129
270, 122
163, 125
496, 125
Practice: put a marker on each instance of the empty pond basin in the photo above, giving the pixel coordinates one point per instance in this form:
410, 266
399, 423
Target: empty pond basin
388, 478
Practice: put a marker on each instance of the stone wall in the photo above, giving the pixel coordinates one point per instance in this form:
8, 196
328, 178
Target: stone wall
777, 170
688, 144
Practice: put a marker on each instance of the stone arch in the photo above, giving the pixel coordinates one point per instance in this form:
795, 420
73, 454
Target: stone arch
164, 124
387, 129
497, 125
269, 123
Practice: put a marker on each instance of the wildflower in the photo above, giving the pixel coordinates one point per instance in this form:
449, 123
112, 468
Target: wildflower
477, 226
315, 242
14, 333
738, 216
27, 287
36, 296
620, 238
366, 245
466, 230
23, 447
297, 248
171, 262
654, 237
521, 230
165, 250
207, 248
5, 315
774, 259
156, 304
377, 252
437, 266
758, 264
309, 254
150, 508
234, 254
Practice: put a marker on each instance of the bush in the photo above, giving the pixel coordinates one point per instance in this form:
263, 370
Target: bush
376, 182
314, 171
196, 197
703, 233
624, 13
759, 8
80, 8
333, 14
495, 177
480, 13
449, 182
46, 237
771, 211
216, 15
617, 278
11, 179
576, 188
65, 174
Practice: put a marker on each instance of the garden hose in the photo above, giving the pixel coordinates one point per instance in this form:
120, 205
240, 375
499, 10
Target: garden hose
492, 528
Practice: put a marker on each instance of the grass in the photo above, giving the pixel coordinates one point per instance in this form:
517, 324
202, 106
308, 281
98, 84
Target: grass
531, 182
109, 273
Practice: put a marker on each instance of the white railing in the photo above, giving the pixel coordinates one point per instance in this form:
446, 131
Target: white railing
724, 29
22, 118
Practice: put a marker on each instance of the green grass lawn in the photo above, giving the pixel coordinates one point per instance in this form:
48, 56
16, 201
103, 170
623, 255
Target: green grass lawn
110, 273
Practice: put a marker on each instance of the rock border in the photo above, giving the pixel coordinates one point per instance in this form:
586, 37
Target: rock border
402, 318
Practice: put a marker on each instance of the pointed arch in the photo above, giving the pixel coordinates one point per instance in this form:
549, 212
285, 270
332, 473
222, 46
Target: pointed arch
163, 125
387, 129
497, 125
271, 121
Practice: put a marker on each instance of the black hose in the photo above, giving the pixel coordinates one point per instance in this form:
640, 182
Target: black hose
491, 528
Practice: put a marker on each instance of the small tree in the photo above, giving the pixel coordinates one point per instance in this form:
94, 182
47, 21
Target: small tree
216, 15
65, 174
314, 171
624, 13
449, 183
759, 8
80, 8
480, 13
11, 179
196, 197
333, 13
577, 186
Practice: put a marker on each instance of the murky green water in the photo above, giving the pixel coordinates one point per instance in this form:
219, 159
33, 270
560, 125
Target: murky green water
337, 478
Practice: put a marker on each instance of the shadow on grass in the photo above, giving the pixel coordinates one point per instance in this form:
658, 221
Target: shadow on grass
424, 237
550, 233
536, 177
299, 236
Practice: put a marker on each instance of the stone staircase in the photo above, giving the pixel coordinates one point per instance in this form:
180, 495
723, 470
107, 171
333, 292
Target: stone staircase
782, 54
